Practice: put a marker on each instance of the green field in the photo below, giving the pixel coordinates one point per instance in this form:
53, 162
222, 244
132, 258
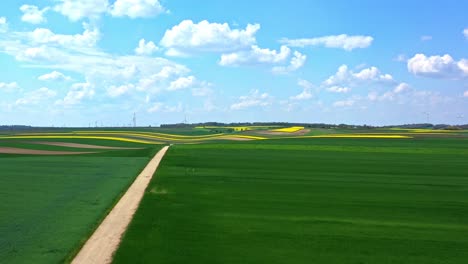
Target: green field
50, 205
306, 201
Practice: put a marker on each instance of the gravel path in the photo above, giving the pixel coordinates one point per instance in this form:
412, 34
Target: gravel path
101, 246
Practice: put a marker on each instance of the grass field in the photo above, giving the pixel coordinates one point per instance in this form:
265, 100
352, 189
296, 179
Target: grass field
310, 200
51, 204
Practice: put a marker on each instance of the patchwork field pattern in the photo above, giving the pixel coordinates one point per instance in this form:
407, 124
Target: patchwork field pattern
240, 196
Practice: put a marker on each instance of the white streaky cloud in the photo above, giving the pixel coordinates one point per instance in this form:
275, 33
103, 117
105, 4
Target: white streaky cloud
54, 76
146, 48
338, 89
254, 56
116, 91
77, 93
88, 38
297, 61
401, 88
162, 107
254, 99
9, 87
32, 14
438, 66
465, 33
136, 8
342, 41
36, 96
344, 103
3, 25
78, 9
188, 37
465, 94
426, 38
182, 83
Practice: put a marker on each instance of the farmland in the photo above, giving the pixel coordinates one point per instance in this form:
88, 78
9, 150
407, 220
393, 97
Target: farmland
246, 195
309, 200
52, 203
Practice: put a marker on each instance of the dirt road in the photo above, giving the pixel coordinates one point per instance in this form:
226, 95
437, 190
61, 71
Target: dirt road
104, 242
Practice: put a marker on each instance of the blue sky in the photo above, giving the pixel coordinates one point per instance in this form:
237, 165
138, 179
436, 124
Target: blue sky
78, 62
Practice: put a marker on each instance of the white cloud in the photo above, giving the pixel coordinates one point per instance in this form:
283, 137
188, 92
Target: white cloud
344, 103
136, 8
254, 56
188, 37
88, 38
54, 76
182, 83
297, 61
77, 93
305, 84
347, 77
465, 94
342, 41
426, 38
305, 95
3, 24
116, 91
438, 66
146, 48
79, 9
32, 14
162, 107
401, 88
35, 97
338, 89
8, 87
255, 98
465, 33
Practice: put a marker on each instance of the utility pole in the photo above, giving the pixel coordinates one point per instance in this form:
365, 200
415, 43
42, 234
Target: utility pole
134, 119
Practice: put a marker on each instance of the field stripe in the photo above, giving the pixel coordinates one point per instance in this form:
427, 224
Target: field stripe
102, 244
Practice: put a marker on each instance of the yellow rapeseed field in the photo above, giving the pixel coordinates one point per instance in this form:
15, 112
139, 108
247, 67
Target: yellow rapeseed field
289, 129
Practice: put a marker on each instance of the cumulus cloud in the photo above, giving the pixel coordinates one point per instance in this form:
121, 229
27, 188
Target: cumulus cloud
401, 88
254, 56
344, 76
297, 61
77, 93
54, 76
76, 10
338, 89
116, 91
182, 83
146, 48
3, 24
342, 41
253, 99
8, 87
88, 38
188, 37
32, 14
136, 8
465, 33
344, 103
438, 66
36, 96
